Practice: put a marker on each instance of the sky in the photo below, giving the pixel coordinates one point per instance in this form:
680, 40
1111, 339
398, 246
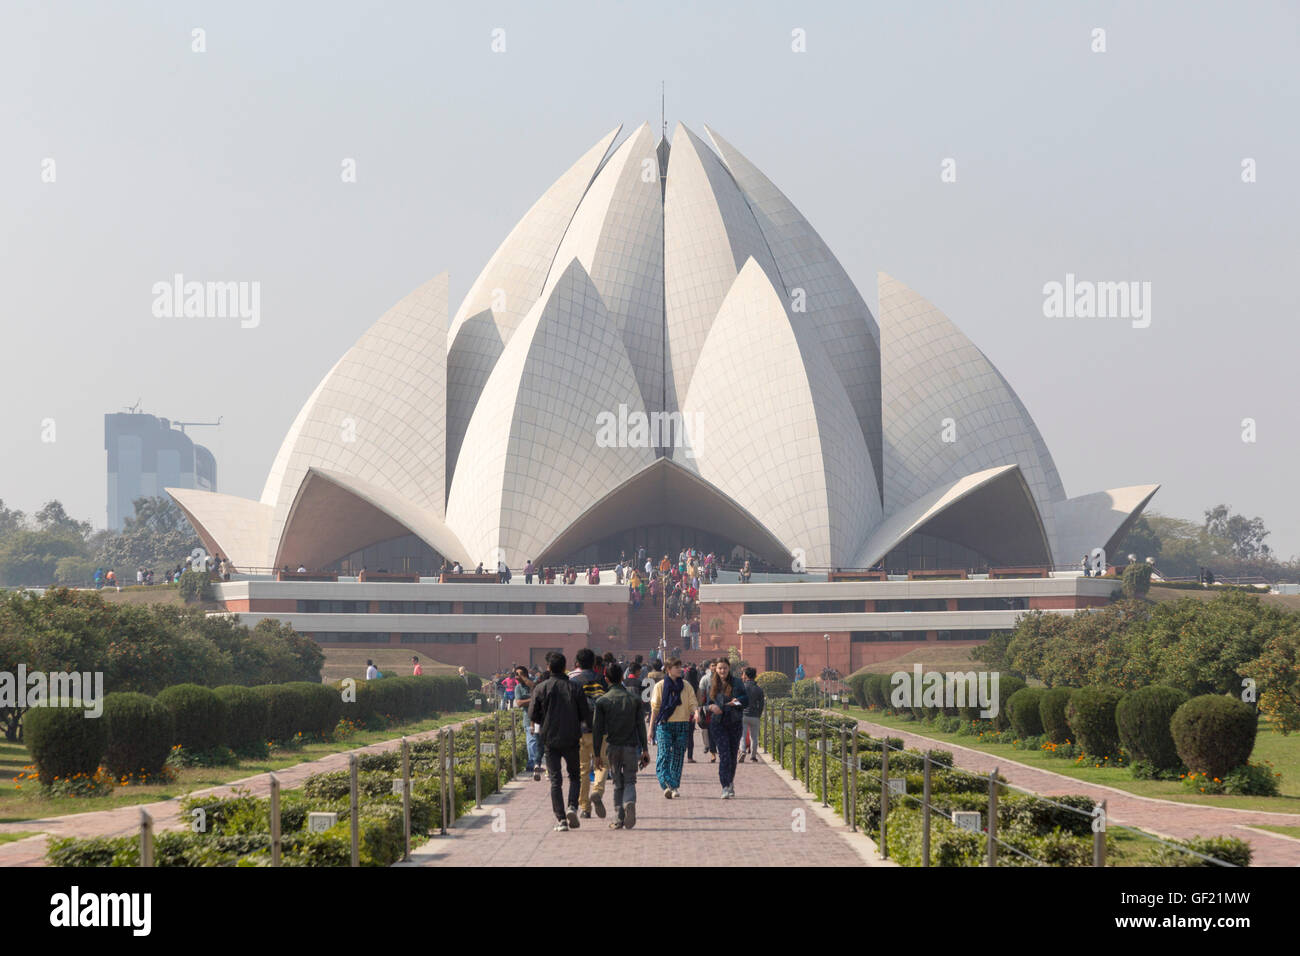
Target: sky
1169, 157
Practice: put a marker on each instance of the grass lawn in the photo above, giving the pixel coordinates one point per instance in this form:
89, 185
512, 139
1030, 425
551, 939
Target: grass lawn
1282, 752
1293, 832
23, 801
20, 835
341, 662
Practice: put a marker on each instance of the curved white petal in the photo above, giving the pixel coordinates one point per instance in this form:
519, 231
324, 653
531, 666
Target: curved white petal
770, 425
1098, 520
532, 461
233, 527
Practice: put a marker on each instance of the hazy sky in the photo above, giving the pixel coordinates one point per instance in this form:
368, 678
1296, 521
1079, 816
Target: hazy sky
1123, 165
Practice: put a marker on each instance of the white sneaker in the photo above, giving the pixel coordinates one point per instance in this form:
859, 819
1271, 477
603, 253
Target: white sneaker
726, 794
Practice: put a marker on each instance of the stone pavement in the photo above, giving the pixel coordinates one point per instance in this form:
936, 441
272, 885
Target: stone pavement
125, 821
756, 827
1164, 818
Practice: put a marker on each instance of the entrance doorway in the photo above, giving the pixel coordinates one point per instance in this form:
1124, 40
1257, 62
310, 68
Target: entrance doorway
783, 659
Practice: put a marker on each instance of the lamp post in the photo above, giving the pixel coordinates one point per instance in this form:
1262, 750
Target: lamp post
498, 653
827, 638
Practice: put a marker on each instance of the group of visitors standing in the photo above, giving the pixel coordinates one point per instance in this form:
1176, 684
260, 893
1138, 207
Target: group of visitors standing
592, 723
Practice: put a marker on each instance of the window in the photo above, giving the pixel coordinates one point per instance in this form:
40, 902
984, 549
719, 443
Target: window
764, 607
919, 604
564, 607
872, 637
439, 638
993, 604
414, 607
829, 607
352, 637
333, 607
497, 607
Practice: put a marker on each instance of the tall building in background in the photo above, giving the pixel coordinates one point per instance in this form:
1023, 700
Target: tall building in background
145, 455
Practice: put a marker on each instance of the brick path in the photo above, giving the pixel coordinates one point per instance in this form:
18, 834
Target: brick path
1164, 818
125, 821
687, 831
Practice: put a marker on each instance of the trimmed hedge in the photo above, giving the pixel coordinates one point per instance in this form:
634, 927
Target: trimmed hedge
1051, 710
321, 708
1143, 717
1091, 716
199, 716
1022, 709
246, 717
775, 684
140, 734
877, 689
805, 691
1214, 734
1008, 686
63, 741
282, 706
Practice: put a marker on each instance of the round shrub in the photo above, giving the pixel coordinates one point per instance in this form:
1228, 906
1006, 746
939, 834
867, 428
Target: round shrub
1214, 734
1022, 709
282, 705
199, 715
473, 681
877, 688
805, 691
775, 684
140, 734
320, 708
1008, 687
1051, 710
856, 682
63, 741
1091, 716
1143, 718
245, 717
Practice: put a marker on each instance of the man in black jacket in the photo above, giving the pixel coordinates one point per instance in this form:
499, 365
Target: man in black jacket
617, 723
561, 709
753, 714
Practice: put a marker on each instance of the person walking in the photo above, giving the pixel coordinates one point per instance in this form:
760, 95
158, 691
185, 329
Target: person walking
725, 701
799, 672
372, 672
416, 669
692, 676
592, 685
671, 704
524, 685
561, 710
617, 724
753, 713
706, 719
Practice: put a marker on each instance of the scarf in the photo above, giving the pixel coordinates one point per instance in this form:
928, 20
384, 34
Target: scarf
670, 700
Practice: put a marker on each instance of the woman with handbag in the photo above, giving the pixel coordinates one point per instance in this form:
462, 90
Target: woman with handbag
724, 701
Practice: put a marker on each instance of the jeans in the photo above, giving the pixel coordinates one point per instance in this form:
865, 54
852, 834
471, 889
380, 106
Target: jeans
670, 739
570, 755
590, 788
533, 743
622, 762
750, 734
726, 736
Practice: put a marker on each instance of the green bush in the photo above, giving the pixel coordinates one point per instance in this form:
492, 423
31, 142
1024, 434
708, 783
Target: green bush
1008, 686
856, 684
877, 689
1228, 849
1051, 710
195, 586
805, 692
321, 708
1136, 581
1022, 709
199, 716
140, 734
1143, 717
63, 741
1091, 716
246, 718
1214, 734
775, 684
282, 706
471, 681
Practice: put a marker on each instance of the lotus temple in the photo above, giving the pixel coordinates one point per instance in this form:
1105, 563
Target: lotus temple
661, 354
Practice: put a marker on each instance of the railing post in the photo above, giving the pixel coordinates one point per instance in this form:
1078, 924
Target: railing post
354, 807
884, 796
496, 749
275, 820
442, 783
478, 765
993, 818
844, 773
406, 799
825, 768
1099, 836
807, 753
146, 838
451, 774
853, 816
925, 813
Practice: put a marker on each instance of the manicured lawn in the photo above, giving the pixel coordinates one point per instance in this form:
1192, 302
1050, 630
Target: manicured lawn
20, 835
1293, 832
22, 800
1282, 751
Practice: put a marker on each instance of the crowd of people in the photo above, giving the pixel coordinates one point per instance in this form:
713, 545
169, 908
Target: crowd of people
599, 721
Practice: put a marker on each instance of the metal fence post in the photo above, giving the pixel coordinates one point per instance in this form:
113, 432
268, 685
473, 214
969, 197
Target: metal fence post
146, 838
1099, 837
884, 796
925, 813
478, 765
275, 820
825, 769
807, 752
406, 799
442, 783
451, 774
844, 773
496, 749
853, 816
993, 818
354, 806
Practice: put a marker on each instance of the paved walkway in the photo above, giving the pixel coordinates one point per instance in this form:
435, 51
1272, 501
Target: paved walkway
125, 821
514, 827
1164, 818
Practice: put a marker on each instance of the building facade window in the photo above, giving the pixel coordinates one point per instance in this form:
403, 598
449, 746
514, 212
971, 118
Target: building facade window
829, 607
764, 607
333, 607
